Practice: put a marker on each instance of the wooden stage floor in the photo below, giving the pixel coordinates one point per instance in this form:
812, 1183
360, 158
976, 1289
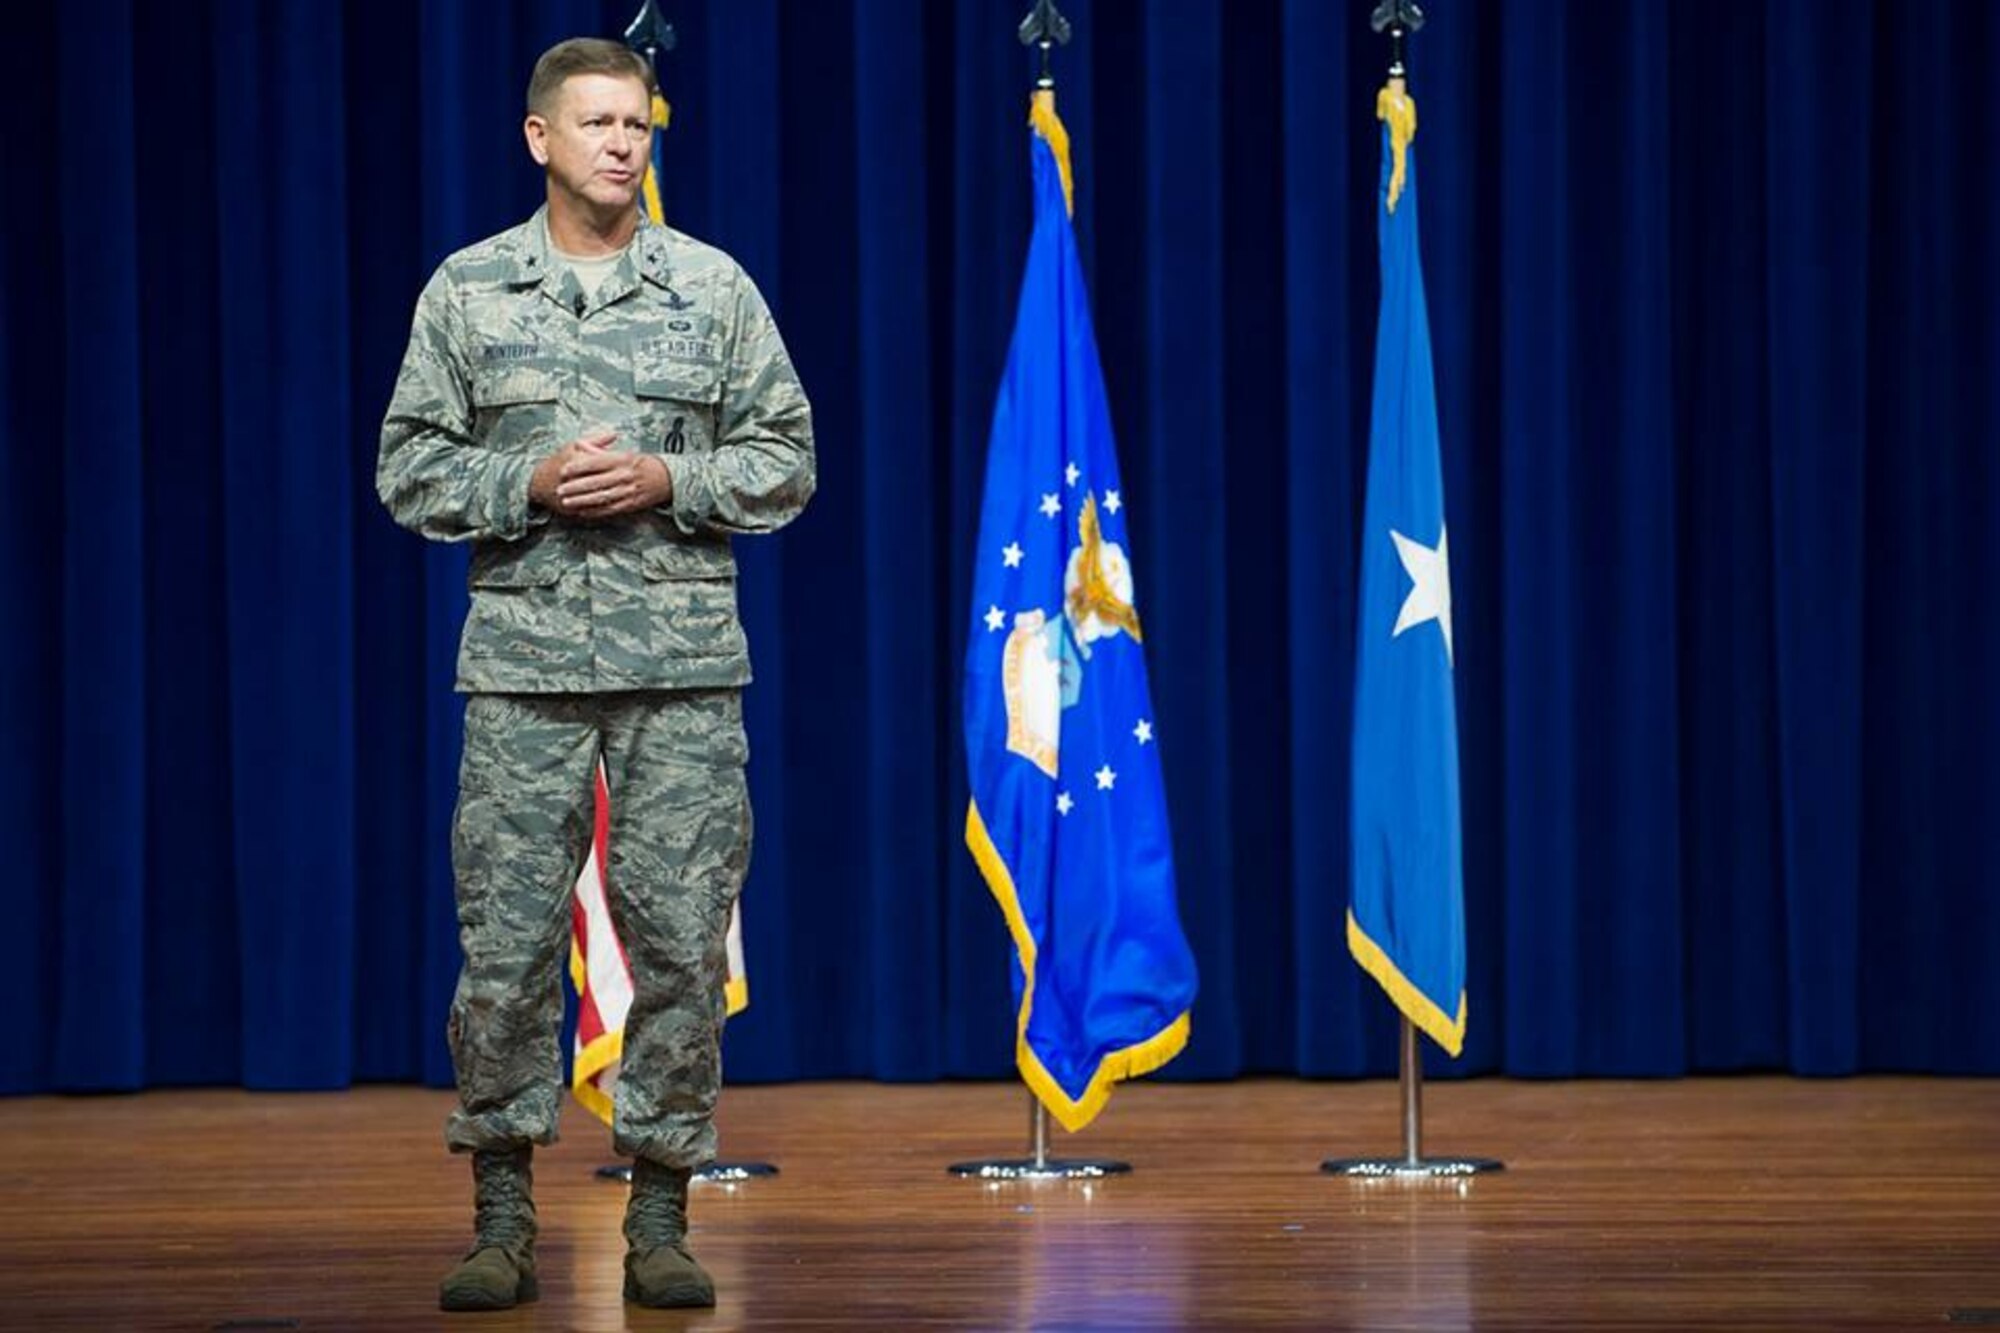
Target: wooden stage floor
1714, 1203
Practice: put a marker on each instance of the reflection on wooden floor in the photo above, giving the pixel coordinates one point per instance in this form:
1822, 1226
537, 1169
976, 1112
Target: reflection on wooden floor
1717, 1203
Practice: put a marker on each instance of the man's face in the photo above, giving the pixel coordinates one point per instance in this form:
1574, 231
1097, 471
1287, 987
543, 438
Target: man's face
596, 140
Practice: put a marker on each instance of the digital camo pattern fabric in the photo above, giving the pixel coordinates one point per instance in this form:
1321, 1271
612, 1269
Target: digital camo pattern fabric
509, 360
616, 640
680, 848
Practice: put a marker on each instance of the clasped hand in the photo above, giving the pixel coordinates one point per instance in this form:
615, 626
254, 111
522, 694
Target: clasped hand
588, 480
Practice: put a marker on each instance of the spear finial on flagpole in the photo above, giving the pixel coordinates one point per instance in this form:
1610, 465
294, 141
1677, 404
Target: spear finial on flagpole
1047, 28
649, 33
1398, 18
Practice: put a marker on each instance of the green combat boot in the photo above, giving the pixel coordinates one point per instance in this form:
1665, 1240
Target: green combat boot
659, 1272
500, 1272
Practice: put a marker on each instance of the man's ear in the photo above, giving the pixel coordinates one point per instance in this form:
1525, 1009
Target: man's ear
536, 131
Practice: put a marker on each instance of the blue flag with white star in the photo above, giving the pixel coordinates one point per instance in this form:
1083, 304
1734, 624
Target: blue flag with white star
1406, 922
1068, 819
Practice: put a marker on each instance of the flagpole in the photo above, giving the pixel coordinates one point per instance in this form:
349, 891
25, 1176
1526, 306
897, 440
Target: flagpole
649, 33
1038, 1165
1044, 28
1413, 1097
1401, 18
1412, 1165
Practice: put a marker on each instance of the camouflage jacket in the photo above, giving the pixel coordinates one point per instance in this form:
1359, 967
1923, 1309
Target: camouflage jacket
507, 362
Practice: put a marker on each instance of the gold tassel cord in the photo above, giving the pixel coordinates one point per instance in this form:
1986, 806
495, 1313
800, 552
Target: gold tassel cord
1395, 106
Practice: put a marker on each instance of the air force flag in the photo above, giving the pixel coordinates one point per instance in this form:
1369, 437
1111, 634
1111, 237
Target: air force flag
1068, 819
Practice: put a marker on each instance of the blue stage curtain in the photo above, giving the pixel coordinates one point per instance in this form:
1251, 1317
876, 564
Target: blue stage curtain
1713, 293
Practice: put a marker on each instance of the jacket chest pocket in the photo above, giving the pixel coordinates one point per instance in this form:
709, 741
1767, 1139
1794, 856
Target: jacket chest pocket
514, 407
680, 400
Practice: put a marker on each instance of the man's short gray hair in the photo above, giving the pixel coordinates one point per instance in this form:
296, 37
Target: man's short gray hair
583, 55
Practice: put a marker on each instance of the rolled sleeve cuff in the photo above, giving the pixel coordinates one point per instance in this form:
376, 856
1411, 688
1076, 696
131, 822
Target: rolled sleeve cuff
694, 494
509, 512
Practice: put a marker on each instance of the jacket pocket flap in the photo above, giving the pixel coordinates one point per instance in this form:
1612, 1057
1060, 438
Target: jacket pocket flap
536, 566
515, 384
686, 560
683, 381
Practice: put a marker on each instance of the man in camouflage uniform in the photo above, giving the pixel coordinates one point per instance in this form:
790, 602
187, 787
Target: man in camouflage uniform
597, 404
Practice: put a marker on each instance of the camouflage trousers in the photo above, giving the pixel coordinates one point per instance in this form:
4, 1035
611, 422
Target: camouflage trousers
679, 848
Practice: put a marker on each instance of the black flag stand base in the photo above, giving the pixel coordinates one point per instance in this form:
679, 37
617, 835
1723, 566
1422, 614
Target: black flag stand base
1039, 1165
1412, 1165
715, 1173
